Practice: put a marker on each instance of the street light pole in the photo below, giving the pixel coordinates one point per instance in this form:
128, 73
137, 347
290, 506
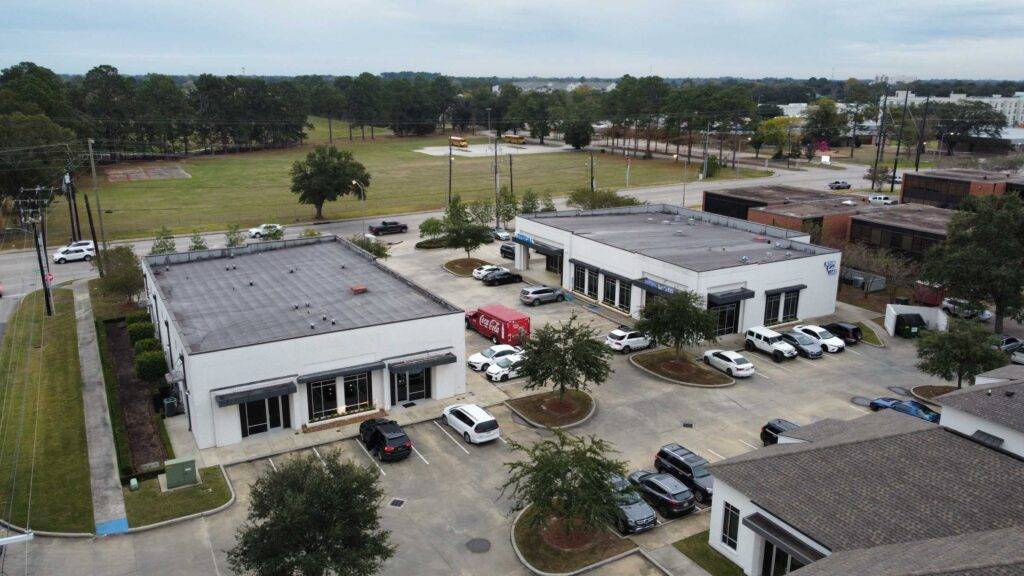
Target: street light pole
362, 198
451, 160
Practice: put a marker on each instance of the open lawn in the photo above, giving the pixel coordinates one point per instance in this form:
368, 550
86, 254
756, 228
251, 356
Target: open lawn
252, 188
44, 464
148, 505
698, 550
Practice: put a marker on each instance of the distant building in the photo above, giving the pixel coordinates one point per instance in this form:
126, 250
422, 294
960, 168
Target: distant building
1010, 106
549, 86
947, 188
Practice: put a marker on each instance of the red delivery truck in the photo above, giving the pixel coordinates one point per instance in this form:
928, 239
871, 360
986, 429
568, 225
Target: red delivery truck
499, 323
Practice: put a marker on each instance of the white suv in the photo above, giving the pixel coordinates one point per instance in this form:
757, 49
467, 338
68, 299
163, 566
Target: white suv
770, 342
882, 199
74, 253
265, 230
505, 368
625, 339
476, 424
829, 341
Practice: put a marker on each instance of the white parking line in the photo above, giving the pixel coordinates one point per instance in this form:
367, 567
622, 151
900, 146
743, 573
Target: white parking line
382, 472
420, 455
716, 454
503, 441
272, 465
319, 457
761, 375
862, 410
748, 444
454, 441
854, 352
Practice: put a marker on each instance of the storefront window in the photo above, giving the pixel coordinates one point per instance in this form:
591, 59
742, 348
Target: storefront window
592, 283
771, 309
789, 309
323, 399
579, 278
625, 292
609, 291
358, 392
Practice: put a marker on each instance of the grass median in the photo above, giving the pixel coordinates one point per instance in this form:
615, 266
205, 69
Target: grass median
148, 505
44, 462
542, 555
696, 548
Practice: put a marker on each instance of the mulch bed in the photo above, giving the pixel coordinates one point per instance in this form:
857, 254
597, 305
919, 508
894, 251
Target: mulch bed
930, 392
664, 363
546, 409
136, 399
548, 550
464, 266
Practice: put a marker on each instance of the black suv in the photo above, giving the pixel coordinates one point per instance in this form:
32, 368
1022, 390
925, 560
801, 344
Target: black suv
688, 467
388, 227
386, 439
770, 431
508, 250
850, 333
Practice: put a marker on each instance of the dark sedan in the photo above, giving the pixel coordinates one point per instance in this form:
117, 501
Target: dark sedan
499, 277
805, 345
909, 407
839, 185
632, 514
664, 492
388, 227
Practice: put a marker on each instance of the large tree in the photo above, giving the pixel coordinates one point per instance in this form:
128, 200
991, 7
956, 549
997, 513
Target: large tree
959, 121
965, 350
312, 517
824, 121
122, 273
565, 480
458, 227
982, 258
587, 199
680, 319
535, 109
326, 175
568, 356
33, 162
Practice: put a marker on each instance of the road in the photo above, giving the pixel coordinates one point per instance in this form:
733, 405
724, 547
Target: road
19, 272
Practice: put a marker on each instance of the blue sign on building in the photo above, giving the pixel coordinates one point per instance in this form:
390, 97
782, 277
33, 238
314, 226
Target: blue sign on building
830, 267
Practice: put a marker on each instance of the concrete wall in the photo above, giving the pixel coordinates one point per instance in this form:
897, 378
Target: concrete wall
935, 318
967, 424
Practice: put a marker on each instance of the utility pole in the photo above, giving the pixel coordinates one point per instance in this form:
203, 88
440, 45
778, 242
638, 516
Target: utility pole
593, 185
42, 225
704, 167
30, 211
511, 182
879, 145
96, 191
330, 129
497, 219
451, 160
92, 232
899, 142
921, 134
42, 271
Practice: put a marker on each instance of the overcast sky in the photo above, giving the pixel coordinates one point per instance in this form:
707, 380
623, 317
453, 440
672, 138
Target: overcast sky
747, 38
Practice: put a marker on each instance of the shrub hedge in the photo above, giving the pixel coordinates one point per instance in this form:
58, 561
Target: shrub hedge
146, 345
140, 330
137, 317
150, 366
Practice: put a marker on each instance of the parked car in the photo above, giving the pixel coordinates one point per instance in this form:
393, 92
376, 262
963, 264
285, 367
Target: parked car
805, 345
483, 360
68, 254
385, 439
829, 341
540, 294
895, 179
881, 199
632, 513
688, 467
1008, 344
508, 250
87, 244
770, 342
910, 407
850, 333
625, 339
265, 230
1017, 357
963, 309
501, 234
475, 424
505, 368
387, 227
732, 363
483, 270
664, 492
839, 185
501, 277
770, 431
499, 323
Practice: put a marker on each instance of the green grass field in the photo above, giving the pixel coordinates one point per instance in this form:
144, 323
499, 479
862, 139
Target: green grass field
252, 188
148, 505
43, 456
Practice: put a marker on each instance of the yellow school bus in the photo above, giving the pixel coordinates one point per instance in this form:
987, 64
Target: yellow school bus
458, 142
514, 138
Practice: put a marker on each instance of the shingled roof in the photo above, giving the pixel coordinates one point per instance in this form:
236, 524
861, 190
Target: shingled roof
887, 478
999, 402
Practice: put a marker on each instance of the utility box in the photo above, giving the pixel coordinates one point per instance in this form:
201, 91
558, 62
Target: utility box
181, 472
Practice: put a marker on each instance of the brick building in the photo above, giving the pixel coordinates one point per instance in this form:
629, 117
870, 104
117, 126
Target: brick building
947, 188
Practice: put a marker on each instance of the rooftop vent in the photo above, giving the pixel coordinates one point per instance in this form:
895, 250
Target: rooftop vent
1010, 393
788, 254
312, 326
291, 270
333, 321
679, 233
744, 259
650, 219
358, 288
666, 221
252, 282
692, 221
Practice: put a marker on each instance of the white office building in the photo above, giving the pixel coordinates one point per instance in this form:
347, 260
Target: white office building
1010, 106
298, 334
749, 274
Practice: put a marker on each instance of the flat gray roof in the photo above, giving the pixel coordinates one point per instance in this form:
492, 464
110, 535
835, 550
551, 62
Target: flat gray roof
834, 204
695, 240
294, 283
967, 175
771, 194
887, 478
922, 217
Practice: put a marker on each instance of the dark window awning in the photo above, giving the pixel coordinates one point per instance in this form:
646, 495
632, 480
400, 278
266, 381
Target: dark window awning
782, 538
540, 247
618, 277
419, 364
793, 288
655, 287
243, 396
339, 372
723, 298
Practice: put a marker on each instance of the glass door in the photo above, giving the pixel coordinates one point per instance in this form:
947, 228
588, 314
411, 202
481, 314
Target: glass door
254, 417
728, 318
407, 387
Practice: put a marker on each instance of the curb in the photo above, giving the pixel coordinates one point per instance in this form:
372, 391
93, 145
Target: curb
594, 566
204, 513
593, 409
929, 401
731, 382
16, 528
880, 339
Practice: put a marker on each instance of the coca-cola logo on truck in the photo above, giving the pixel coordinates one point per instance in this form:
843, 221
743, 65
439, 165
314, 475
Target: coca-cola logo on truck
491, 324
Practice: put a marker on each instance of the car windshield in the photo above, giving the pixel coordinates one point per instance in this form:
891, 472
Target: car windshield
825, 334
505, 362
802, 339
489, 353
699, 471
618, 336
627, 497
774, 339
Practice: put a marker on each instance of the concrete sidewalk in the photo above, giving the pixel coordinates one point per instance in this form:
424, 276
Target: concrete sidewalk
107, 497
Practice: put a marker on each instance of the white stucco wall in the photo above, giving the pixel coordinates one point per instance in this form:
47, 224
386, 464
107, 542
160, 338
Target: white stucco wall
967, 424
818, 299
